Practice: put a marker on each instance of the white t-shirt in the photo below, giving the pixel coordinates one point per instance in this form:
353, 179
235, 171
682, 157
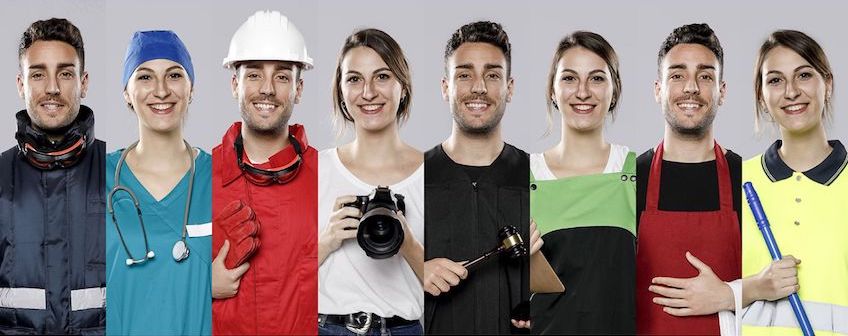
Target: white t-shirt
615, 162
348, 280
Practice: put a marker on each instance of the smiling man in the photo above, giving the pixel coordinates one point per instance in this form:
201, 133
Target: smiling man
52, 240
688, 197
475, 184
265, 173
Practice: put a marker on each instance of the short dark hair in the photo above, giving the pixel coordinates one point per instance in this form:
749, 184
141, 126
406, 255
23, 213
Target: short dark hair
597, 45
484, 32
803, 45
391, 53
695, 33
54, 29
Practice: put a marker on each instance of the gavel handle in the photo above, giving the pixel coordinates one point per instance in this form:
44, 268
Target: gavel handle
483, 257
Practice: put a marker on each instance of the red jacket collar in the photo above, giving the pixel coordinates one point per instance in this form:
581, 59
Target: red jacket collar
231, 170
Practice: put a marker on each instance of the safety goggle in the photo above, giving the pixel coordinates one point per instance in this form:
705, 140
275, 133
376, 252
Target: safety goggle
58, 159
279, 175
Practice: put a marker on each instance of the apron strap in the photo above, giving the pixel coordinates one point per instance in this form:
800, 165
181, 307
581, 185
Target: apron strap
652, 196
722, 169
725, 188
629, 164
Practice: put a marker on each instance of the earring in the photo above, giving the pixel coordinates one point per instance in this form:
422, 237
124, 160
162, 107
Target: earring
555, 104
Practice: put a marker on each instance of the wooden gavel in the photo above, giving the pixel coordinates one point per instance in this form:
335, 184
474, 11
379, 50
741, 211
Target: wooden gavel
510, 242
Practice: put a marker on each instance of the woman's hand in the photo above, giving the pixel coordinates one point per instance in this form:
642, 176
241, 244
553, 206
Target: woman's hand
411, 249
776, 281
344, 221
536, 241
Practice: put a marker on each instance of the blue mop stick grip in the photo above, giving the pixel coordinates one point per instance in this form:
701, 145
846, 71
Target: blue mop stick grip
771, 243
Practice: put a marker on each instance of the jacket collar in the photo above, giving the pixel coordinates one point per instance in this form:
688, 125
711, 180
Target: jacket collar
231, 170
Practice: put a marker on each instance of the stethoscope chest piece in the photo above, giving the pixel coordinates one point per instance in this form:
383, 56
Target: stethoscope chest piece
180, 251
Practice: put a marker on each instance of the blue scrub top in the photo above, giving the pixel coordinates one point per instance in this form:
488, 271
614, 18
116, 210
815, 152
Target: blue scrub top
160, 296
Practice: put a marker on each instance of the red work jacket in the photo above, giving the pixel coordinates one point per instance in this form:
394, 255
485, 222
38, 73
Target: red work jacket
279, 293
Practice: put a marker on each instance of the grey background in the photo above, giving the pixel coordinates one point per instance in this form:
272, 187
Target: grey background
635, 29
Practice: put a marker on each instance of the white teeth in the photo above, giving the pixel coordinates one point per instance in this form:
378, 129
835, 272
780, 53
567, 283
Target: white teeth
476, 106
161, 106
370, 108
583, 107
688, 105
794, 108
263, 106
51, 107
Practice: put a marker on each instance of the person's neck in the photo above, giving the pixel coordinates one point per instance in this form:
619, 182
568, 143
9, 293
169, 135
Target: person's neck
688, 149
162, 150
474, 149
587, 146
804, 151
376, 149
260, 146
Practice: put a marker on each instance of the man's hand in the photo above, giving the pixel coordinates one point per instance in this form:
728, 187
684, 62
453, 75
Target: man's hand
776, 281
536, 241
702, 295
440, 274
225, 282
520, 324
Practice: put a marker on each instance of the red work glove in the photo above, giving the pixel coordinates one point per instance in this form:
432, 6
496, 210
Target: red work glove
241, 227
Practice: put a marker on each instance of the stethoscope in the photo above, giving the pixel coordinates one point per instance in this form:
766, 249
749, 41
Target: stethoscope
180, 250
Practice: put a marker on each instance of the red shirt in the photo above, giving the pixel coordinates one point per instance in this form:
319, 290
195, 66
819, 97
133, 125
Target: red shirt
279, 293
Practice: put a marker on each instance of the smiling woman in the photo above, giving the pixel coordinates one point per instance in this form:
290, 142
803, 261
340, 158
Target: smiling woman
159, 201
801, 189
582, 197
372, 90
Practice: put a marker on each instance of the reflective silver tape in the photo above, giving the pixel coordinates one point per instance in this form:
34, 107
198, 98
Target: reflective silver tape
823, 316
23, 298
88, 298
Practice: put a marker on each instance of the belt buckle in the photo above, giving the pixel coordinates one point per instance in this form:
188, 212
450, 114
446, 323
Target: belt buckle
359, 323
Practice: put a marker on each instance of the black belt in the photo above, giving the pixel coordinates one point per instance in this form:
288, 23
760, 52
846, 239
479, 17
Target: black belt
364, 321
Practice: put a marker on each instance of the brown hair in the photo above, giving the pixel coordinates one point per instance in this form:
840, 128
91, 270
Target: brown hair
389, 50
596, 44
53, 29
803, 45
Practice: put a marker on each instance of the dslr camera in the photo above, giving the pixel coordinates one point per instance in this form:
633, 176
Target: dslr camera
380, 232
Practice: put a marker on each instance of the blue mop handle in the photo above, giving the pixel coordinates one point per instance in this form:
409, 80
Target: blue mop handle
765, 229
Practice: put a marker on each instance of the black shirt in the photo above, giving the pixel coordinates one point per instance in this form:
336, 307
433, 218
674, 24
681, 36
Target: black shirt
688, 186
461, 222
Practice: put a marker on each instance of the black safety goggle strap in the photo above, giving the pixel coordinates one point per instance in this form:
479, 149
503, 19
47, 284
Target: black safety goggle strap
272, 174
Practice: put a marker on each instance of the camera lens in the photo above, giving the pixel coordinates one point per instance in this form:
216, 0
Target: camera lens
380, 233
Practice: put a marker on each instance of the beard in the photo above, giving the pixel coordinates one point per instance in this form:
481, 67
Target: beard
468, 124
54, 125
679, 126
265, 126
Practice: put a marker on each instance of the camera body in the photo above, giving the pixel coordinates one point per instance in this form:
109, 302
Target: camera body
380, 232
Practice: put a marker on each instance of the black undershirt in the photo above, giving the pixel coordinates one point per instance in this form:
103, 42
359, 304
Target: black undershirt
688, 186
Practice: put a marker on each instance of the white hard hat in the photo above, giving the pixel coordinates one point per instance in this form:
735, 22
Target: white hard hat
268, 36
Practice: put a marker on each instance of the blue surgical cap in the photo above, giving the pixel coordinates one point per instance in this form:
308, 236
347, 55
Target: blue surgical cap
156, 44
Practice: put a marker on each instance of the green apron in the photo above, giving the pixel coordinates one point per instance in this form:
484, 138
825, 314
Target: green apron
588, 224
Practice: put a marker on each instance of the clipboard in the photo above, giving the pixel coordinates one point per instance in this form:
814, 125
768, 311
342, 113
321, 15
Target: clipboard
543, 279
